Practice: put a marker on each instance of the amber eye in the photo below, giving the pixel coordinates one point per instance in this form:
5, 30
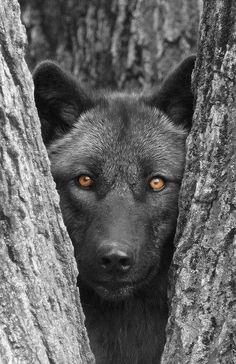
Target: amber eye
84, 181
157, 183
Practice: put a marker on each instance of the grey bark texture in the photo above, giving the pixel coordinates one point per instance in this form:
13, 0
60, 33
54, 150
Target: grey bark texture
112, 43
202, 324
41, 319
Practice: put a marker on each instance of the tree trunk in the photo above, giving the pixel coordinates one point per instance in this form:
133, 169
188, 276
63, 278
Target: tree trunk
202, 327
41, 319
112, 43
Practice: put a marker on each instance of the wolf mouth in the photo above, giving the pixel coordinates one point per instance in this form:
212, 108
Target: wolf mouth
118, 288
114, 294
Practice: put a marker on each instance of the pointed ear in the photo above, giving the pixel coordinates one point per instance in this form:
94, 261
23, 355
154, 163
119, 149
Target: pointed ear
58, 98
175, 97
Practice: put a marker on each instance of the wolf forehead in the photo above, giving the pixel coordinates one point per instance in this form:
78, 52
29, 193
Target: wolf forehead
122, 128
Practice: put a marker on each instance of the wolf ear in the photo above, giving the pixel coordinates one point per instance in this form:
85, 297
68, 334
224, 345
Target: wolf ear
58, 98
175, 97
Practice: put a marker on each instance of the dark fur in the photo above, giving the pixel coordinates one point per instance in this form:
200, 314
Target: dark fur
121, 140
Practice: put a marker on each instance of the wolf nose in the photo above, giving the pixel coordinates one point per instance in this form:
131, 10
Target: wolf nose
115, 259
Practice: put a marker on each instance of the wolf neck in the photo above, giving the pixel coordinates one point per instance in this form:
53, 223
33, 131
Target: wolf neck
127, 332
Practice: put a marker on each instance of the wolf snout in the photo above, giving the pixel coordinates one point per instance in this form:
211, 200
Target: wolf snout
115, 258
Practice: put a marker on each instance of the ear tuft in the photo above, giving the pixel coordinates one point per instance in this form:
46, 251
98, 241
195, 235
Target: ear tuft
175, 96
58, 98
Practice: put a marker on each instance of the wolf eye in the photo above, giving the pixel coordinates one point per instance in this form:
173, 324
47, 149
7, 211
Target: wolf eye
156, 183
84, 181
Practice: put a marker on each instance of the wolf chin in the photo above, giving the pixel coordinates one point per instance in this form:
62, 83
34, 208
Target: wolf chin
117, 159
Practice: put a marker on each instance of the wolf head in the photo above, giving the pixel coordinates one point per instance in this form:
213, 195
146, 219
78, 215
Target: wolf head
118, 160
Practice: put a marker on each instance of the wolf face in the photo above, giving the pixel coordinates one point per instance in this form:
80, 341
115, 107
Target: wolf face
118, 161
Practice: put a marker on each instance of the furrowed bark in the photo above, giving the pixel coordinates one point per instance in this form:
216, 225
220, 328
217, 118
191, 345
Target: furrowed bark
41, 320
117, 43
202, 324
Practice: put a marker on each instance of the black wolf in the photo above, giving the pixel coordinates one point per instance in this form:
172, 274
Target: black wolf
118, 160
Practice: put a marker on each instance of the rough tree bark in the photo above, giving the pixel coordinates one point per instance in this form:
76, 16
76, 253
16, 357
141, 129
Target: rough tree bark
41, 319
112, 43
202, 324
